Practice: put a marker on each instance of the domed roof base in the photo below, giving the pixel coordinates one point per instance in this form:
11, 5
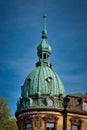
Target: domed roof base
40, 101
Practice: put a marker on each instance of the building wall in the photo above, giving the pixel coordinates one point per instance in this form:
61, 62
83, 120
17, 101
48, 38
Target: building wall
63, 120
39, 119
78, 120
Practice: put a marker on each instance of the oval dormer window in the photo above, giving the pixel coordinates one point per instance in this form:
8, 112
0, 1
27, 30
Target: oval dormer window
49, 79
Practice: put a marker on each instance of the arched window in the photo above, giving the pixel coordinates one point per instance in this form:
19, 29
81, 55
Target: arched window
28, 127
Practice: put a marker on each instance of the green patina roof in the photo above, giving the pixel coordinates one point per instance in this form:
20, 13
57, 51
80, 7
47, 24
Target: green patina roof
42, 86
43, 80
43, 47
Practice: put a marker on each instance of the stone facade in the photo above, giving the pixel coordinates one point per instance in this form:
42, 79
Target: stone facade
56, 119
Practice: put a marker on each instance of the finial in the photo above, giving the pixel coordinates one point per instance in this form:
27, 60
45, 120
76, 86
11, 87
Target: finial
44, 22
44, 32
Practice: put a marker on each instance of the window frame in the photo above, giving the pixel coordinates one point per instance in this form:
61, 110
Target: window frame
50, 127
50, 118
26, 126
78, 127
76, 121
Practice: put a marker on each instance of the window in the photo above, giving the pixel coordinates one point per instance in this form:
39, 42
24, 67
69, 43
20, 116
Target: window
29, 79
84, 106
45, 56
75, 127
49, 79
76, 123
50, 126
84, 103
28, 127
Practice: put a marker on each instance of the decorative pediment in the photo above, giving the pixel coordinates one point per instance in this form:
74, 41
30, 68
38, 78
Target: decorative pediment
50, 118
76, 120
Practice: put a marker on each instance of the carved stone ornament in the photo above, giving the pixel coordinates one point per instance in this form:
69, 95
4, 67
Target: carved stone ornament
38, 122
76, 121
50, 118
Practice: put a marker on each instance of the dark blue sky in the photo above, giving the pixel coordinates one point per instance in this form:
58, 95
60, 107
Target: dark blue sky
21, 24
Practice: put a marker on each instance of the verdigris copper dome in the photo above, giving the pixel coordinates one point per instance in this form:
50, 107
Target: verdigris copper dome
44, 81
42, 88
